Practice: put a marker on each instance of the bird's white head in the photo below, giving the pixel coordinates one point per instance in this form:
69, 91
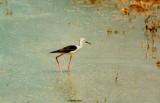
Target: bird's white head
83, 40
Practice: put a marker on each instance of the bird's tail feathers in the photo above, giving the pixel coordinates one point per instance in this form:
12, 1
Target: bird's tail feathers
54, 51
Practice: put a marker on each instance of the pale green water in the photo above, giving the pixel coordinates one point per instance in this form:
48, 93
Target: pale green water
29, 74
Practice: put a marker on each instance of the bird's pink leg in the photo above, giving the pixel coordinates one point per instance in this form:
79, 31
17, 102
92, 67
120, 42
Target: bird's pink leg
58, 62
69, 63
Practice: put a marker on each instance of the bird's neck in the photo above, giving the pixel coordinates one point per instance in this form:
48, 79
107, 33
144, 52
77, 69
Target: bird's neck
80, 44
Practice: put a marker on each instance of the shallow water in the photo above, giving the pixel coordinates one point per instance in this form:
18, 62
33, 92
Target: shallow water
112, 70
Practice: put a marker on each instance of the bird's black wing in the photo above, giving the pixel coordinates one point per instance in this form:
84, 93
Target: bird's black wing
66, 49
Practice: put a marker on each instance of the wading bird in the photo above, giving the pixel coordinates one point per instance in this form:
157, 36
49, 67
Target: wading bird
71, 49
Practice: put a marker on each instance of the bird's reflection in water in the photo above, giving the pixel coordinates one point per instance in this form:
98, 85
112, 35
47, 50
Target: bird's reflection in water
65, 88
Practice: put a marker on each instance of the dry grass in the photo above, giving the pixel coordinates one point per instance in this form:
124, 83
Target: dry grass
127, 6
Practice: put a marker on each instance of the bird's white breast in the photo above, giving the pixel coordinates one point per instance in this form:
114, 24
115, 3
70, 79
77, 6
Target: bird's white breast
78, 47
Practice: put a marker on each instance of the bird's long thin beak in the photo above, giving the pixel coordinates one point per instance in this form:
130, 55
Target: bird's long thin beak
88, 42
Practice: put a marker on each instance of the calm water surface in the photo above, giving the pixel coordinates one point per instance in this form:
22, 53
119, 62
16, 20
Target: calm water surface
112, 70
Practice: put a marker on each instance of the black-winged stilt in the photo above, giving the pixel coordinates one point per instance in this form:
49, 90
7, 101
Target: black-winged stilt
71, 49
